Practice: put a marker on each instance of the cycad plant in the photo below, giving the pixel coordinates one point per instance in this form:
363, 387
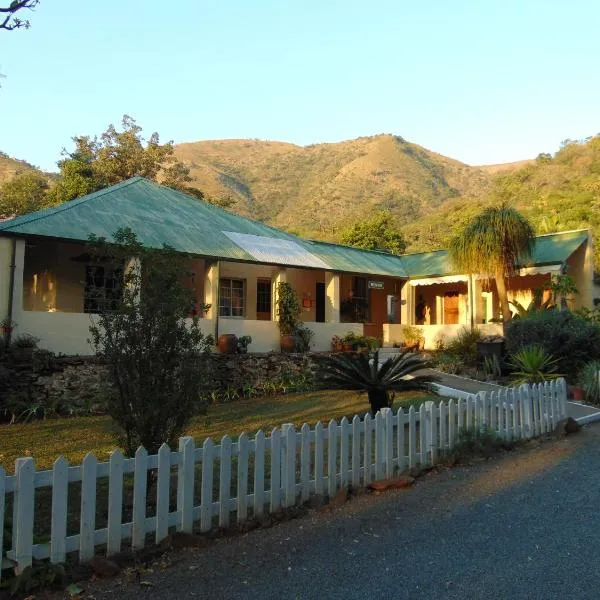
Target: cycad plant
362, 371
532, 364
589, 380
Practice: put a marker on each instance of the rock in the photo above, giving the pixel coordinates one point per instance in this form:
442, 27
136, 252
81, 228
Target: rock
394, 483
339, 499
103, 567
571, 426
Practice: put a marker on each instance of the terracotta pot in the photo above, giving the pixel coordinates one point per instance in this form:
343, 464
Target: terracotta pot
227, 343
346, 347
289, 343
577, 393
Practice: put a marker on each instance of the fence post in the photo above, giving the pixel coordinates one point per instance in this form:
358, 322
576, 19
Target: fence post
24, 503
58, 525
185, 484
140, 489
206, 485
388, 451
379, 446
562, 398
332, 458
87, 524
432, 424
527, 400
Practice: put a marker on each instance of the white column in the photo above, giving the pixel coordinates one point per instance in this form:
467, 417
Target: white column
211, 288
332, 294
5, 273
133, 272
280, 277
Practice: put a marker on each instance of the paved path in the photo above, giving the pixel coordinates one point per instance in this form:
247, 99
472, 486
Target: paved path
525, 527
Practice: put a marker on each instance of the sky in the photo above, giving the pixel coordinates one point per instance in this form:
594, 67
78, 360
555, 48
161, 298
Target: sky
481, 81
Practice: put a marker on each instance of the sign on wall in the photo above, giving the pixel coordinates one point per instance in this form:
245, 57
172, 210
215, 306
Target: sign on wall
376, 285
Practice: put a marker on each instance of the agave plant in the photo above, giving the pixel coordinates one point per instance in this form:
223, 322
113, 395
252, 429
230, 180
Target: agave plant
362, 371
533, 364
589, 380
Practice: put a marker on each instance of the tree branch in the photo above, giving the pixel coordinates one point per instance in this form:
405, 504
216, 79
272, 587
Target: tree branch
10, 21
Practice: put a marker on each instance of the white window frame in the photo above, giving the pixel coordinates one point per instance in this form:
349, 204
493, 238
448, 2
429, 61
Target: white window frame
230, 280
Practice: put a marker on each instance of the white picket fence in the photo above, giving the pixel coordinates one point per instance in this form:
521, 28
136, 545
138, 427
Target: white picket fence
198, 488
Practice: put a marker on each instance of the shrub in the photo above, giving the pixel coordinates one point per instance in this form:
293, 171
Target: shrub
533, 364
464, 345
449, 363
571, 338
472, 443
589, 380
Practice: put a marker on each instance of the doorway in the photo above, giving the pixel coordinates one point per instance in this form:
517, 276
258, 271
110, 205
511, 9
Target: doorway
320, 303
451, 308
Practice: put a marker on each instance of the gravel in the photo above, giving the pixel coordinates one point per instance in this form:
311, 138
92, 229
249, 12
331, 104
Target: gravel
524, 527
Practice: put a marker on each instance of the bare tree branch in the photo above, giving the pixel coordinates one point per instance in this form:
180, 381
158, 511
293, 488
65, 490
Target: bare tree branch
10, 21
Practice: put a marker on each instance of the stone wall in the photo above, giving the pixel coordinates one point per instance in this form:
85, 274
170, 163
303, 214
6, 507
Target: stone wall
78, 385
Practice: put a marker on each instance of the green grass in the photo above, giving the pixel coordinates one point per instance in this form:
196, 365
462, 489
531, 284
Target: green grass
74, 438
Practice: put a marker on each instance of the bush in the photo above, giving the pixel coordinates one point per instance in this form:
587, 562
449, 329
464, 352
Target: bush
477, 443
568, 336
464, 345
449, 363
532, 364
589, 381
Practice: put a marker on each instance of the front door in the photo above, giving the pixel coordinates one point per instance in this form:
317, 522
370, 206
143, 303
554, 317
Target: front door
320, 303
451, 308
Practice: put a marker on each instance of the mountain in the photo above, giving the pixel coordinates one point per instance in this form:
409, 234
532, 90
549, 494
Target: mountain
314, 190
9, 166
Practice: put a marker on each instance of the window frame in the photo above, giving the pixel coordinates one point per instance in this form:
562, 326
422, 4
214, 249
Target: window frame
231, 280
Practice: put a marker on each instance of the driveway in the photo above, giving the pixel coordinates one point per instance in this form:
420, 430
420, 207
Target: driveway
525, 526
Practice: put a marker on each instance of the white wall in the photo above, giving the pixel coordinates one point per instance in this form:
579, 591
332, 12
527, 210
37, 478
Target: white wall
325, 331
393, 333
265, 334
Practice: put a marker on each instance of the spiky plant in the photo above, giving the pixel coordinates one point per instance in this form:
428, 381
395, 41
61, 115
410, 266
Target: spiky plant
492, 245
533, 364
537, 304
362, 371
589, 380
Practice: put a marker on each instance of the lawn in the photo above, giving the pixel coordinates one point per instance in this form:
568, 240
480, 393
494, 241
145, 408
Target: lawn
74, 438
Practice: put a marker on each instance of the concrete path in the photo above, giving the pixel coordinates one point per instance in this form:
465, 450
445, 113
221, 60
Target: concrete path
524, 528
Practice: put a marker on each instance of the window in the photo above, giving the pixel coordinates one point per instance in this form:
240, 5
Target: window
231, 298
263, 299
103, 288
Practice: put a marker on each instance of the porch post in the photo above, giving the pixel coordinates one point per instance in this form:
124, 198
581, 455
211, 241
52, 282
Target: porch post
280, 277
407, 294
211, 288
133, 268
15, 299
332, 292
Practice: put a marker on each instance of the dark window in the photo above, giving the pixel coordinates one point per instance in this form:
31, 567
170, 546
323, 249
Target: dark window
103, 288
263, 299
231, 298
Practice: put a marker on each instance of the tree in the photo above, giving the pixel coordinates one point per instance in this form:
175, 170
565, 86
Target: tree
8, 19
362, 371
25, 192
116, 156
492, 245
153, 348
376, 233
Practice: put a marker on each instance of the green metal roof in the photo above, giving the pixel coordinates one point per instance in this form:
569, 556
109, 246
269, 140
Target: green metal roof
160, 215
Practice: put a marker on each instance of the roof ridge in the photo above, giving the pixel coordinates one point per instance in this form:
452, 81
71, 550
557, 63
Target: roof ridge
66, 206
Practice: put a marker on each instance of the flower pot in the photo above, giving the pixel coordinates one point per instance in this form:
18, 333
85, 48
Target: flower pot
578, 393
491, 348
227, 343
289, 343
346, 347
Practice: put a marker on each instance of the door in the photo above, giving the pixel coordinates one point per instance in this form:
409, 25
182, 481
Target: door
263, 300
451, 308
320, 303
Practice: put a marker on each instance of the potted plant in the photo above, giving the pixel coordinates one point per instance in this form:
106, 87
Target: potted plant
413, 338
336, 343
228, 343
348, 341
243, 342
288, 313
22, 347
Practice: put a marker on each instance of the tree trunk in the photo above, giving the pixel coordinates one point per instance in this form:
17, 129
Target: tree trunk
378, 399
503, 297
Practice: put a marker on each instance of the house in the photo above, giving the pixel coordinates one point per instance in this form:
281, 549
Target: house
46, 279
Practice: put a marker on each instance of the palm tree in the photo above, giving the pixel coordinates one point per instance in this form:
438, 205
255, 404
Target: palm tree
361, 371
492, 245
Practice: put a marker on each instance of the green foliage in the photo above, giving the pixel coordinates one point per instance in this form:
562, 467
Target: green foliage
412, 336
532, 364
25, 192
464, 345
477, 443
536, 305
288, 308
562, 287
449, 363
154, 350
39, 576
492, 367
492, 245
25, 340
362, 371
567, 336
589, 380
116, 156
376, 233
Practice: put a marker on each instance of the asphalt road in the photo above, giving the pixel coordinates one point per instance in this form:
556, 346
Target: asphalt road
526, 526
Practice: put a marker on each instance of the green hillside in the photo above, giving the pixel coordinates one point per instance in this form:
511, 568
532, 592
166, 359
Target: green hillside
9, 167
314, 190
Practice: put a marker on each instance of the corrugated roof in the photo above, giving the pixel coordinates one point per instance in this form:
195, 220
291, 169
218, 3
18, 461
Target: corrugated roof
160, 215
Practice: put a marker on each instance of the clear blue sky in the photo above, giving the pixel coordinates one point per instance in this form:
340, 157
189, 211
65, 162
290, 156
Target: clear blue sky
480, 81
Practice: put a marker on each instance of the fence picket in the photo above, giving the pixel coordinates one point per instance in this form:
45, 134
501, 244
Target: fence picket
24, 503
319, 456
305, 462
289, 465
424, 434
344, 447
87, 517
275, 470
451, 423
432, 425
368, 449
115, 502
140, 479
206, 485
242, 478
460, 415
388, 422
379, 446
224, 481
259, 474
401, 421
2, 507
443, 440
469, 410
412, 438
58, 522
514, 414
332, 459
163, 484
185, 487
356, 426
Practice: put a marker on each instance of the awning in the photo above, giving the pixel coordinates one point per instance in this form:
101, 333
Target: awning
437, 280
